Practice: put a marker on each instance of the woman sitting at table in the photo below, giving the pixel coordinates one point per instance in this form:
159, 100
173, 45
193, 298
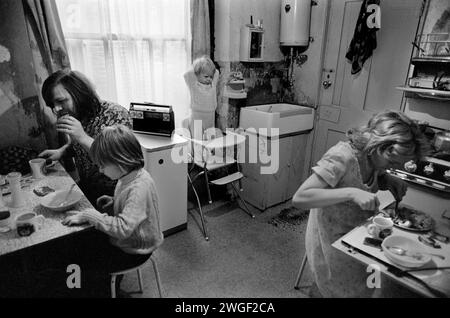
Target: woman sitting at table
134, 229
82, 116
341, 195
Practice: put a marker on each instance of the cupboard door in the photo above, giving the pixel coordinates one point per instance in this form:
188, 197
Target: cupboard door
297, 164
171, 185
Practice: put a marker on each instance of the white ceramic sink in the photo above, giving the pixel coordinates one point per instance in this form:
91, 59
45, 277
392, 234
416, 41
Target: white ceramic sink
288, 118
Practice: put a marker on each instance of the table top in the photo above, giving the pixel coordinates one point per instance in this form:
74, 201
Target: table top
56, 178
437, 281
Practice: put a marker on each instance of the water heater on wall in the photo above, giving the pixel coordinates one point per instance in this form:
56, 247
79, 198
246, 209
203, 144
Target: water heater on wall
295, 21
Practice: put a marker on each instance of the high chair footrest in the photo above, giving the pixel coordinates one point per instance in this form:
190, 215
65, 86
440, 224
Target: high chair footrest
228, 179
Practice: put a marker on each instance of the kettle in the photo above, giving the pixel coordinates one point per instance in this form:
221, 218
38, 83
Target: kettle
442, 141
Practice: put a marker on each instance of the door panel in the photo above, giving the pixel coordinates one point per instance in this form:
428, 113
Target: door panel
353, 99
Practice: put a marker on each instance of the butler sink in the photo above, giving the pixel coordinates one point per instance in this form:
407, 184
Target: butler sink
288, 118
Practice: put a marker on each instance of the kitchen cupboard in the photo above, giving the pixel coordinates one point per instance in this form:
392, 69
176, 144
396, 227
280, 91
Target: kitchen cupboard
170, 179
270, 182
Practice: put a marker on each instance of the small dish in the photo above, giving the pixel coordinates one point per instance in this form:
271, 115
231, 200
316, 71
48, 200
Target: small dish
54, 201
407, 244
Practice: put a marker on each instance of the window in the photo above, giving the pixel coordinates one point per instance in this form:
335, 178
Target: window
133, 50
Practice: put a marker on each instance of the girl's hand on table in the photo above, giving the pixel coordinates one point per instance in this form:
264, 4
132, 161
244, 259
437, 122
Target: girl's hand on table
366, 200
74, 218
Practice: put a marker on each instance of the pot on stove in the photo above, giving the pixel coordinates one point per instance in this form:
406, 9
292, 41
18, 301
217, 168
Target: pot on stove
442, 141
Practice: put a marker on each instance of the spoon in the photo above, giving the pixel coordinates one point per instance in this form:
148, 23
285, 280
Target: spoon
417, 255
63, 202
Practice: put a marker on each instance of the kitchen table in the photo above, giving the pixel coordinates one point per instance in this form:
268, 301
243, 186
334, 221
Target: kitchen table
56, 178
428, 283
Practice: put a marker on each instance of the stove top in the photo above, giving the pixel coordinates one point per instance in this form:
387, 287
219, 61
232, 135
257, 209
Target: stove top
433, 172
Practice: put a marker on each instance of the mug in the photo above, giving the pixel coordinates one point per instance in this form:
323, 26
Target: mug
37, 167
28, 222
380, 227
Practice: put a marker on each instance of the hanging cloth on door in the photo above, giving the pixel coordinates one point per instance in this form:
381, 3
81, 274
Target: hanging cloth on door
364, 39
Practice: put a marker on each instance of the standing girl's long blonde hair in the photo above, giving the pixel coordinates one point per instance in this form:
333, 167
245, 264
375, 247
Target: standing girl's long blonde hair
391, 133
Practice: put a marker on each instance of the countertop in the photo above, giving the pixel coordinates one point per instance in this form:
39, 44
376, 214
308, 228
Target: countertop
156, 143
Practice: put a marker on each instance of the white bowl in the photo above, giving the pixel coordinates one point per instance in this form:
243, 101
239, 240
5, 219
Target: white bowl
408, 245
53, 201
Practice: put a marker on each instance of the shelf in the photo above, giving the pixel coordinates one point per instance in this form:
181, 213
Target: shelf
432, 59
426, 93
235, 94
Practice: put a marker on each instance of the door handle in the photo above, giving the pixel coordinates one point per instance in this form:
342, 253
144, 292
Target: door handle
326, 84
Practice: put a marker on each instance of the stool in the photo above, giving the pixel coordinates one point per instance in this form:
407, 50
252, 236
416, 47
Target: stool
300, 272
138, 269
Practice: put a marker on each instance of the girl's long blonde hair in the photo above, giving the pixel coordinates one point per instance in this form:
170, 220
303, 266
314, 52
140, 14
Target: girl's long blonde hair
391, 133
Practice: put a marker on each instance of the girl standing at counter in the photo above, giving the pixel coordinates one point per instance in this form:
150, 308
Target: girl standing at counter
341, 195
134, 229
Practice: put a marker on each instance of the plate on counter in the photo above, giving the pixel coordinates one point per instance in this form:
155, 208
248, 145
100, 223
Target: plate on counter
412, 220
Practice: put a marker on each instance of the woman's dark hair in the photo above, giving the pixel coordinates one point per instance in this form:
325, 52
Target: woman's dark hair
117, 145
85, 99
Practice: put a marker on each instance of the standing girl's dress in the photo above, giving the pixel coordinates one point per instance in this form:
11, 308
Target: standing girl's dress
336, 274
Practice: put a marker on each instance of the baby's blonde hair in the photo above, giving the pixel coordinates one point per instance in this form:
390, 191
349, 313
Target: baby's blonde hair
203, 64
391, 133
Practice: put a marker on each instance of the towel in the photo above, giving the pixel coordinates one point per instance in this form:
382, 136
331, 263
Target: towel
364, 40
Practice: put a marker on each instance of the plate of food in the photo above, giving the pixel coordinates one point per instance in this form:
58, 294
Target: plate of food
412, 220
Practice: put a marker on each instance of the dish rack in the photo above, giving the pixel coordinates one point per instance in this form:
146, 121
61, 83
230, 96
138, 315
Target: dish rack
433, 45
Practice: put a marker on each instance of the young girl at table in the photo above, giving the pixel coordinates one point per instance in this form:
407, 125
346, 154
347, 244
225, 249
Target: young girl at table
134, 230
341, 195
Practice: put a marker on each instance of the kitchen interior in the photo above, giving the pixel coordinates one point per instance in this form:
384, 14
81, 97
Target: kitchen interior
282, 66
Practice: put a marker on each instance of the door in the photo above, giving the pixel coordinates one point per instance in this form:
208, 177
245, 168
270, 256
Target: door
348, 100
171, 186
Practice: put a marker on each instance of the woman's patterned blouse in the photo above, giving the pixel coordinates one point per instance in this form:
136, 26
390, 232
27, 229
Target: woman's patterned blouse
92, 182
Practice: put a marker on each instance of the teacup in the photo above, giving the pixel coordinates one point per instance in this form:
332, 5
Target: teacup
380, 227
37, 167
28, 222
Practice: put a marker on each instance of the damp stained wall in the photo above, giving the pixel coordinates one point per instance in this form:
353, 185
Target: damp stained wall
19, 104
266, 82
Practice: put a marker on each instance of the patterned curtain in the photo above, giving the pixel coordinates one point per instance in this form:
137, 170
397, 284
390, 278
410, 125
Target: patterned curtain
200, 28
49, 54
